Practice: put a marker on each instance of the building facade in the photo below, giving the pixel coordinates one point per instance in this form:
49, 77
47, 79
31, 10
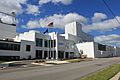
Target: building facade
35, 45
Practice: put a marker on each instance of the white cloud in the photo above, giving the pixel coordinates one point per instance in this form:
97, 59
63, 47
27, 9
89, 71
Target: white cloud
103, 25
107, 38
66, 2
33, 24
98, 17
112, 39
11, 5
33, 9
60, 20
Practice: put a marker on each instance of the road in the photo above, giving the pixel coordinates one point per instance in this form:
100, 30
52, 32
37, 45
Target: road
72, 71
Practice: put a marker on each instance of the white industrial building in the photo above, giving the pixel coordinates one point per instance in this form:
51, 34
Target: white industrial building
35, 45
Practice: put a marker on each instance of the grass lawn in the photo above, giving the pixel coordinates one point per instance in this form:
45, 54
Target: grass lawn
105, 74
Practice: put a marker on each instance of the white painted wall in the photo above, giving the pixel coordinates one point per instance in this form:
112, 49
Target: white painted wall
29, 36
73, 31
22, 53
87, 48
73, 28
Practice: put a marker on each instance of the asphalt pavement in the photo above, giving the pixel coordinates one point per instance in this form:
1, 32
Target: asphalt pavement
72, 71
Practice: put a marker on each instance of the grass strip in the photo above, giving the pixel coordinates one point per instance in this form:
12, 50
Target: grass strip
105, 74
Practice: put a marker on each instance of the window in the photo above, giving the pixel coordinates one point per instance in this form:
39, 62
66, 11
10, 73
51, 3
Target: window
28, 47
50, 43
39, 42
53, 43
46, 42
10, 46
101, 47
39, 54
45, 54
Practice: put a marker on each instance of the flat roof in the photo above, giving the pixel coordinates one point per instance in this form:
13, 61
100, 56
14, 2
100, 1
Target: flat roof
9, 41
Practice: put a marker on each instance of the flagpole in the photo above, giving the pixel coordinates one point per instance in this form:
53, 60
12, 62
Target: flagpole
49, 41
48, 45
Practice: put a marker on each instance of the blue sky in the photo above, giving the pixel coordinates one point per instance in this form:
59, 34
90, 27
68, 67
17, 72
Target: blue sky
95, 17
86, 8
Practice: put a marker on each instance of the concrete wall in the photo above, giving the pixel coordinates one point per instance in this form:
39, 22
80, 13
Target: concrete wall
74, 38
7, 31
86, 37
9, 53
61, 43
117, 52
110, 51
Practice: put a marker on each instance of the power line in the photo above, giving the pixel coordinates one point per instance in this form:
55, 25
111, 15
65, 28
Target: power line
111, 11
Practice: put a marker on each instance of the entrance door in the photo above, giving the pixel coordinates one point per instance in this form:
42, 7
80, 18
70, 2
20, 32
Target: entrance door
60, 54
67, 55
45, 54
38, 54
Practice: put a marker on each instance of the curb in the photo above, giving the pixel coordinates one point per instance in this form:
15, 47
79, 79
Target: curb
116, 77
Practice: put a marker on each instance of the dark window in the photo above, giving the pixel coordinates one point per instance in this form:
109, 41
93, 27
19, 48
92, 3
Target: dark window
9, 46
46, 42
45, 54
53, 43
28, 47
9, 58
60, 54
66, 54
101, 47
39, 54
39, 42
50, 43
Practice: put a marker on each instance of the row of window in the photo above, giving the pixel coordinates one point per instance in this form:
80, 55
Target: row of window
47, 43
47, 54
9, 46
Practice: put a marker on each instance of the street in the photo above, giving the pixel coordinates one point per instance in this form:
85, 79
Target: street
72, 71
